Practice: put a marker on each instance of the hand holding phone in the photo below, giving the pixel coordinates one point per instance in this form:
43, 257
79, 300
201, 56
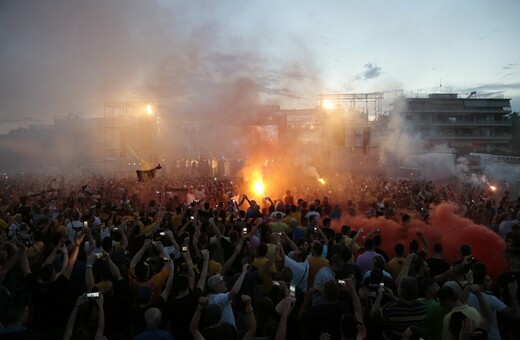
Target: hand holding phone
92, 295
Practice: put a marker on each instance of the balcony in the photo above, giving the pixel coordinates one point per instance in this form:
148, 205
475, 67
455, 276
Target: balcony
439, 136
501, 123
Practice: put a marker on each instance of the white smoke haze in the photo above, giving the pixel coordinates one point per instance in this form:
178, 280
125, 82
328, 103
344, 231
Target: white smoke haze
399, 142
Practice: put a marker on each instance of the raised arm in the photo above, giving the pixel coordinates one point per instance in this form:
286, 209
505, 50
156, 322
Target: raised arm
406, 268
89, 277
426, 244
91, 242
194, 325
174, 243
169, 282
284, 308
356, 303
215, 229
113, 268
230, 261
101, 318
204, 271
514, 310
355, 238
52, 255
72, 318
73, 256
137, 257
191, 272
238, 284
254, 230
287, 239
251, 322
195, 239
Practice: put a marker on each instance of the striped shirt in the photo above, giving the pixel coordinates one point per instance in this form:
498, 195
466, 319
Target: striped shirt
398, 316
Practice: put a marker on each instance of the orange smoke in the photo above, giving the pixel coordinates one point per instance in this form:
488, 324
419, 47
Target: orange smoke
445, 227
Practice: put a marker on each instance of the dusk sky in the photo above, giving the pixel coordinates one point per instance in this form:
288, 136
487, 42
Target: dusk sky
70, 56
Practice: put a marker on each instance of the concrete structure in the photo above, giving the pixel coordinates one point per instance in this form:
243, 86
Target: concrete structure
468, 124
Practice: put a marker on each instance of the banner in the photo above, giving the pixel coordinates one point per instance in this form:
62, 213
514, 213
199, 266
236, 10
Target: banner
146, 175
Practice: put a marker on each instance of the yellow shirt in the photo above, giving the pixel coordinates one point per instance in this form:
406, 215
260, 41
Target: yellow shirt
315, 264
267, 277
395, 265
158, 281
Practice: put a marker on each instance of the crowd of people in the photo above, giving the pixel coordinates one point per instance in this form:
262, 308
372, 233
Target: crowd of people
98, 257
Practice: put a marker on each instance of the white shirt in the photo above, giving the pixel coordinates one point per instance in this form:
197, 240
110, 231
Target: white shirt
300, 272
222, 299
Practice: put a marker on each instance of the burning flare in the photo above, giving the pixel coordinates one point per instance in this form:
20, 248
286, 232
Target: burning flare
321, 180
492, 187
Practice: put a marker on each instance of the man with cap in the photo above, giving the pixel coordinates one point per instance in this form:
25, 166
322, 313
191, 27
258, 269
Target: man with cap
217, 285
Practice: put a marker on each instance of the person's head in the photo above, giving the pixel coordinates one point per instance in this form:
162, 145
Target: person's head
437, 248
428, 288
377, 240
217, 284
464, 250
47, 273
447, 297
153, 316
483, 279
346, 254
369, 244
142, 271
330, 291
379, 262
261, 250
213, 314
303, 244
408, 288
345, 229
336, 262
317, 248
182, 283
399, 249
326, 222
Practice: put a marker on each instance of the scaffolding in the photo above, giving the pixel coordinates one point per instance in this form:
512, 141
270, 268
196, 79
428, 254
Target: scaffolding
371, 103
129, 134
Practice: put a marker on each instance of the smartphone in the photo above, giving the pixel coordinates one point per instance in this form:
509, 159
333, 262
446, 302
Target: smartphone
244, 231
99, 255
341, 282
116, 229
162, 233
292, 291
91, 296
184, 249
192, 217
166, 259
85, 223
276, 283
381, 284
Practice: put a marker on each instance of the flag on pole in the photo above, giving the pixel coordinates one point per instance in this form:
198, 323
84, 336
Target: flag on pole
145, 175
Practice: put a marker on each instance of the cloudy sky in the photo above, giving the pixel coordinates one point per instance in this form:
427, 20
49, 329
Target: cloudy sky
70, 56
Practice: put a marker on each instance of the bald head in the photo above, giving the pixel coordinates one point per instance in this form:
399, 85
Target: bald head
153, 317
